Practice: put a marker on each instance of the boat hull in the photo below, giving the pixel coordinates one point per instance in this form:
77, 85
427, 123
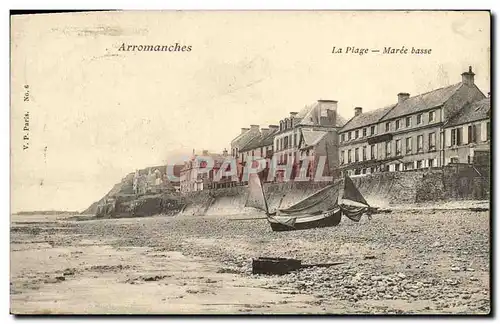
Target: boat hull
328, 220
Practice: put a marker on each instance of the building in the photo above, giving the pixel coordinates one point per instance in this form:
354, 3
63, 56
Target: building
468, 133
260, 145
246, 135
153, 180
301, 133
410, 134
356, 155
199, 173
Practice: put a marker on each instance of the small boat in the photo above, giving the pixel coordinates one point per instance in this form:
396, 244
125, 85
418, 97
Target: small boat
321, 209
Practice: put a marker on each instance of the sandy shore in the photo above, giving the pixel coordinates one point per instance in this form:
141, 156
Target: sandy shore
419, 261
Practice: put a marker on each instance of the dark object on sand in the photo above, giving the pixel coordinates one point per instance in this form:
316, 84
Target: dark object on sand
321, 209
478, 209
281, 266
278, 266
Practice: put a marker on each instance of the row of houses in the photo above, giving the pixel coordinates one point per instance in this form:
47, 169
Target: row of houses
433, 129
446, 125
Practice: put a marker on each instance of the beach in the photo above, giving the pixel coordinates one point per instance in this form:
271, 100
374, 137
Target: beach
421, 261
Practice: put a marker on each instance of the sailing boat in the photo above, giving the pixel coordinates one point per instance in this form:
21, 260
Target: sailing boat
321, 209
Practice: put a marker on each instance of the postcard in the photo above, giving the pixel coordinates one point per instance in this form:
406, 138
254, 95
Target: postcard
250, 162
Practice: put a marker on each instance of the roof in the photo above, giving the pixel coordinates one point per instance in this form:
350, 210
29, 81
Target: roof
341, 121
244, 138
472, 112
428, 100
308, 116
366, 119
312, 137
260, 141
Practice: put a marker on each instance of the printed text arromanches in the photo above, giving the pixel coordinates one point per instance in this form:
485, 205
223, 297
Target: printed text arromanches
155, 48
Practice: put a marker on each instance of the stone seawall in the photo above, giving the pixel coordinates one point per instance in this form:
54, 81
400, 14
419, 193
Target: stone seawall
380, 190
231, 201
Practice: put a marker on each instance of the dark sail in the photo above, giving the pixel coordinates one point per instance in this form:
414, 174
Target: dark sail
352, 193
321, 201
354, 204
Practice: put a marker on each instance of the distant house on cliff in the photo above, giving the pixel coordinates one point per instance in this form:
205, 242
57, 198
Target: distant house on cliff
155, 180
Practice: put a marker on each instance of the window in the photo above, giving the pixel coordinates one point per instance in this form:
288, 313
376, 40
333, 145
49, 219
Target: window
454, 160
408, 121
396, 167
420, 143
342, 138
430, 162
420, 164
356, 154
387, 127
419, 119
363, 171
285, 143
364, 132
397, 124
356, 134
456, 136
294, 140
408, 166
471, 133
372, 151
388, 148
261, 151
349, 136
341, 157
488, 132
364, 153
372, 130
432, 141
432, 116
408, 145
398, 147
281, 143
349, 156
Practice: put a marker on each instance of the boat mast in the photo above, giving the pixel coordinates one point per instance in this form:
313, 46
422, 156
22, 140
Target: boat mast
263, 195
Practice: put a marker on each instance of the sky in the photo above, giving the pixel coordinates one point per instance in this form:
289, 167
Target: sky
97, 114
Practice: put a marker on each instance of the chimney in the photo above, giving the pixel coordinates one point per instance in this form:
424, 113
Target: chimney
244, 130
292, 118
358, 111
273, 128
254, 127
468, 77
331, 117
402, 96
265, 131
